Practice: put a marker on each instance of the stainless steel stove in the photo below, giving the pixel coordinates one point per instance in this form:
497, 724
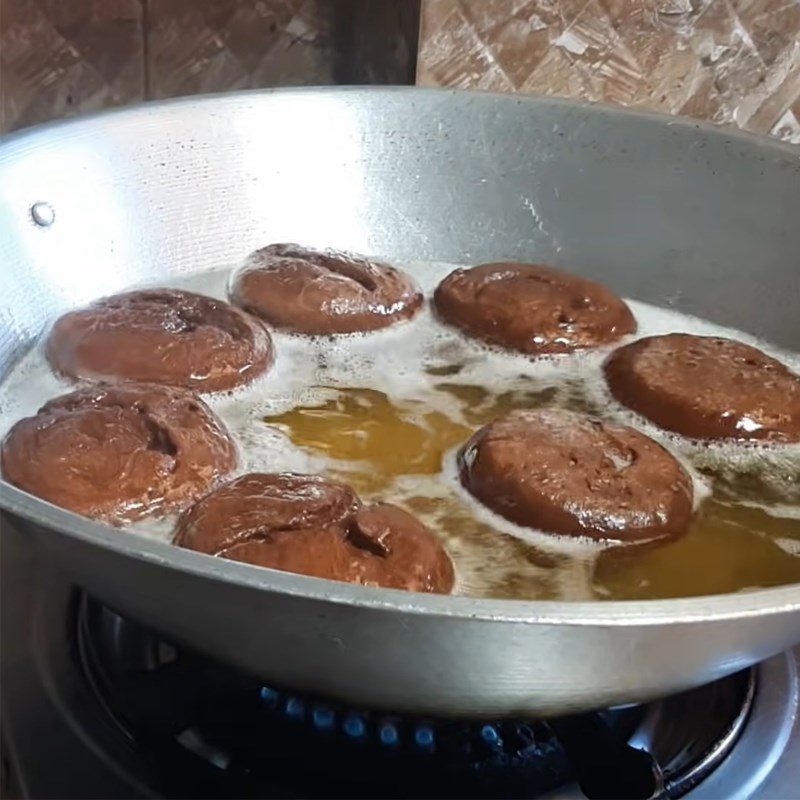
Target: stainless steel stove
94, 705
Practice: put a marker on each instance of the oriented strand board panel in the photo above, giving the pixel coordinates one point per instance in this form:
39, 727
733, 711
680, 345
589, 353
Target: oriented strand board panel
197, 46
65, 57
734, 62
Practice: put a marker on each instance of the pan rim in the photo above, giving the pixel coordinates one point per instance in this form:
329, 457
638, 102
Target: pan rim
611, 613
148, 107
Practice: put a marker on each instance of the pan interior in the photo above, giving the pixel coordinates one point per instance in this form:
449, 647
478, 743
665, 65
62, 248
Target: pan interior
386, 412
665, 212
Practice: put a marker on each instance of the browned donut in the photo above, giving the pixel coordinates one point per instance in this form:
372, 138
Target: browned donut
313, 526
161, 336
531, 308
568, 473
322, 291
707, 387
119, 453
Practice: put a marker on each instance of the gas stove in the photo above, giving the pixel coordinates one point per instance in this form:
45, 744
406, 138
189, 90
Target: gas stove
95, 705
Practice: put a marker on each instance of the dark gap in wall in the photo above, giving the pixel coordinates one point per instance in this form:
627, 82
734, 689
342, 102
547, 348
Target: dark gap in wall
375, 41
145, 48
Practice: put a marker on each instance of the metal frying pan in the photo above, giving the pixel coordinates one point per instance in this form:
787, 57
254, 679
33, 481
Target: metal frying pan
670, 212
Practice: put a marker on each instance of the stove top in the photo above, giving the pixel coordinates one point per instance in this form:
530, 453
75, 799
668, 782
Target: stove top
94, 705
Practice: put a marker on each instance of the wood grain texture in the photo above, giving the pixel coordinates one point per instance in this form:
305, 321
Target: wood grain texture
223, 45
734, 62
64, 57
59, 58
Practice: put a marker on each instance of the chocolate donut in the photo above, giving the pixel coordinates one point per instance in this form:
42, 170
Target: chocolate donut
163, 336
309, 291
531, 309
313, 526
567, 473
118, 453
707, 387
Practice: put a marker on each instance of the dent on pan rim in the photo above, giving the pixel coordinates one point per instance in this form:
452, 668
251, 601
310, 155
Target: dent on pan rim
761, 602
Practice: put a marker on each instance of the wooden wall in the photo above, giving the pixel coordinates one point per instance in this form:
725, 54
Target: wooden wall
734, 62
65, 57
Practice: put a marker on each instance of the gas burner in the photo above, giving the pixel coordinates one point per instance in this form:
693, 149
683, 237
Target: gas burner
99, 707
211, 732
217, 733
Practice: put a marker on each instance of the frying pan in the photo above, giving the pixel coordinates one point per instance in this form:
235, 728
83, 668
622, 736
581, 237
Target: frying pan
670, 212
